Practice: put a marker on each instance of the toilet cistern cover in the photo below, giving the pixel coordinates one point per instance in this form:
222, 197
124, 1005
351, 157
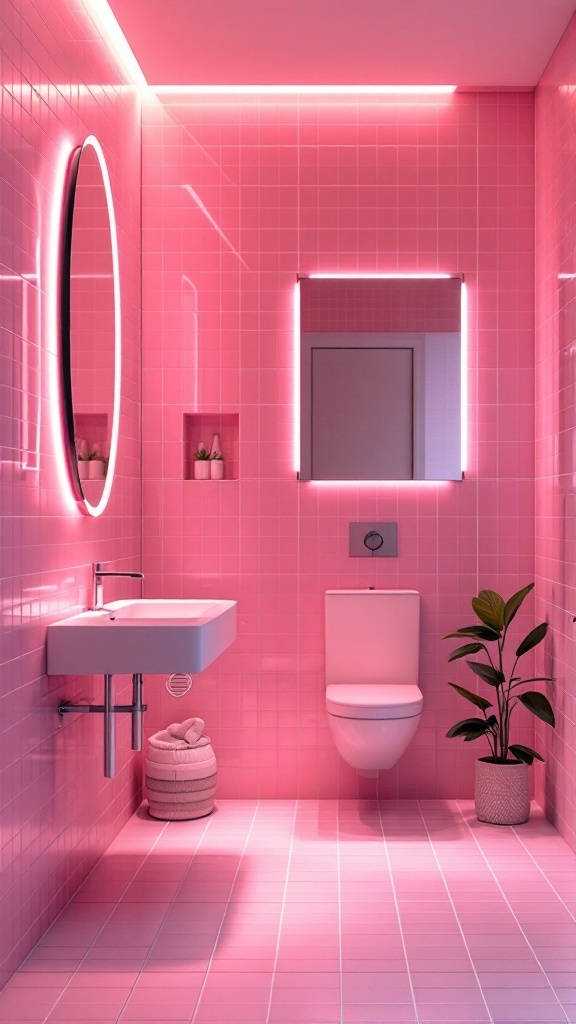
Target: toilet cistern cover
371, 700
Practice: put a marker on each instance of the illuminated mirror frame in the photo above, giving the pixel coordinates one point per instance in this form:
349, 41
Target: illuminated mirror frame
463, 372
65, 339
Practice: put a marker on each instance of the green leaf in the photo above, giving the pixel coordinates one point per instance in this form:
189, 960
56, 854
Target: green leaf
539, 705
468, 725
461, 652
474, 698
523, 753
479, 632
533, 679
490, 675
489, 608
535, 636
513, 603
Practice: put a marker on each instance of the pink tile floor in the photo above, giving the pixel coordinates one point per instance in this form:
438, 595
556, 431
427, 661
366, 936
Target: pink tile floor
329, 912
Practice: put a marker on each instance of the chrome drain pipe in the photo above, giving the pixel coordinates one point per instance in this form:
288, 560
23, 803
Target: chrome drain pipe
137, 711
109, 709
109, 729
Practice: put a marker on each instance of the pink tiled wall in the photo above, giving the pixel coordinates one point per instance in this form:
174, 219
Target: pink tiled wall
58, 813
240, 194
341, 305
556, 420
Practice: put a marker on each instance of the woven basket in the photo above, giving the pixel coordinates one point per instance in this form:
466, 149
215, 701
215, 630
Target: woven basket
180, 784
502, 792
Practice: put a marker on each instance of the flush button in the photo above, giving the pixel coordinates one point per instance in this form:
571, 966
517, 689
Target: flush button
373, 540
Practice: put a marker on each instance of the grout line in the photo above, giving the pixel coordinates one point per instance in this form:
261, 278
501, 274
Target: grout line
408, 971
170, 905
299, 500
473, 331
101, 929
248, 824
339, 877
543, 873
505, 898
211, 960
278, 940
455, 912
203, 150
141, 359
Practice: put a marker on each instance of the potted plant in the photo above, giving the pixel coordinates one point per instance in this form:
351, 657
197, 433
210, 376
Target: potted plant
216, 465
201, 463
502, 788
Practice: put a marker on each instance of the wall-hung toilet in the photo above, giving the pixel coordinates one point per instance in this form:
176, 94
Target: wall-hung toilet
373, 700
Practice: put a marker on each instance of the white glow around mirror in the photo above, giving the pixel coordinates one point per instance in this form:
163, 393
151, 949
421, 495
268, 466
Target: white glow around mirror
464, 378
96, 510
380, 363
91, 329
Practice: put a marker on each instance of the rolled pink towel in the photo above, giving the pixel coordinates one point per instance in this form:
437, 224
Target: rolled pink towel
190, 730
179, 729
194, 733
180, 736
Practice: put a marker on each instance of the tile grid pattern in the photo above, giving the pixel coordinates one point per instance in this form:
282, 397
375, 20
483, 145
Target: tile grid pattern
240, 194
454, 910
397, 909
285, 912
60, 82
555, 539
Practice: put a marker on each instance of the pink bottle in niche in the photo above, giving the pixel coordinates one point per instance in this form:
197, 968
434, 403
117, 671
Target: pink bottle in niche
216, 460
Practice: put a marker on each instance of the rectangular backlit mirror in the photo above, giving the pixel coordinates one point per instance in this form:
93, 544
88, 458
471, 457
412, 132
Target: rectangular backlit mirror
381, 376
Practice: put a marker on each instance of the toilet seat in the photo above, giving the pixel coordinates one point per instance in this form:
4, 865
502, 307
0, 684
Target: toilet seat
374, 700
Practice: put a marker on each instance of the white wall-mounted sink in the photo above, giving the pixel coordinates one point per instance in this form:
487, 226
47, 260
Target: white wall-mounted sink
142, 636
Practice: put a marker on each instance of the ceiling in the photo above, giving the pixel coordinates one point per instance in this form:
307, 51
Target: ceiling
470, 43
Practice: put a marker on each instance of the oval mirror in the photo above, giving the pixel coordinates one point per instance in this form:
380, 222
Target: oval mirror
90, 329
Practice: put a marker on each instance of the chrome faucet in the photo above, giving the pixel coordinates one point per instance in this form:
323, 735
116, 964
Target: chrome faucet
98, 587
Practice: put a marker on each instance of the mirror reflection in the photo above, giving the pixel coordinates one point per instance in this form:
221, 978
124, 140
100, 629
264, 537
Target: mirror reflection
380, 378
90, 328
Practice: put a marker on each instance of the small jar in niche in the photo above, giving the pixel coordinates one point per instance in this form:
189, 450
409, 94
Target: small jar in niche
202, 469
217, 468
96, 469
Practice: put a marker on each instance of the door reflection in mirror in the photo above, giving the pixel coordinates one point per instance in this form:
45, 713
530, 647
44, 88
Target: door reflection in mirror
380, 378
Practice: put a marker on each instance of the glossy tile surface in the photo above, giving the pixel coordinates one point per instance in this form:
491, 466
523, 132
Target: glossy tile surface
59, 83
315, 912
241, 194
556, 422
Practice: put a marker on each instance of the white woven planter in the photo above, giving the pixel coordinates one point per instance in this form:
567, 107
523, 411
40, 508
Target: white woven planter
502, 792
